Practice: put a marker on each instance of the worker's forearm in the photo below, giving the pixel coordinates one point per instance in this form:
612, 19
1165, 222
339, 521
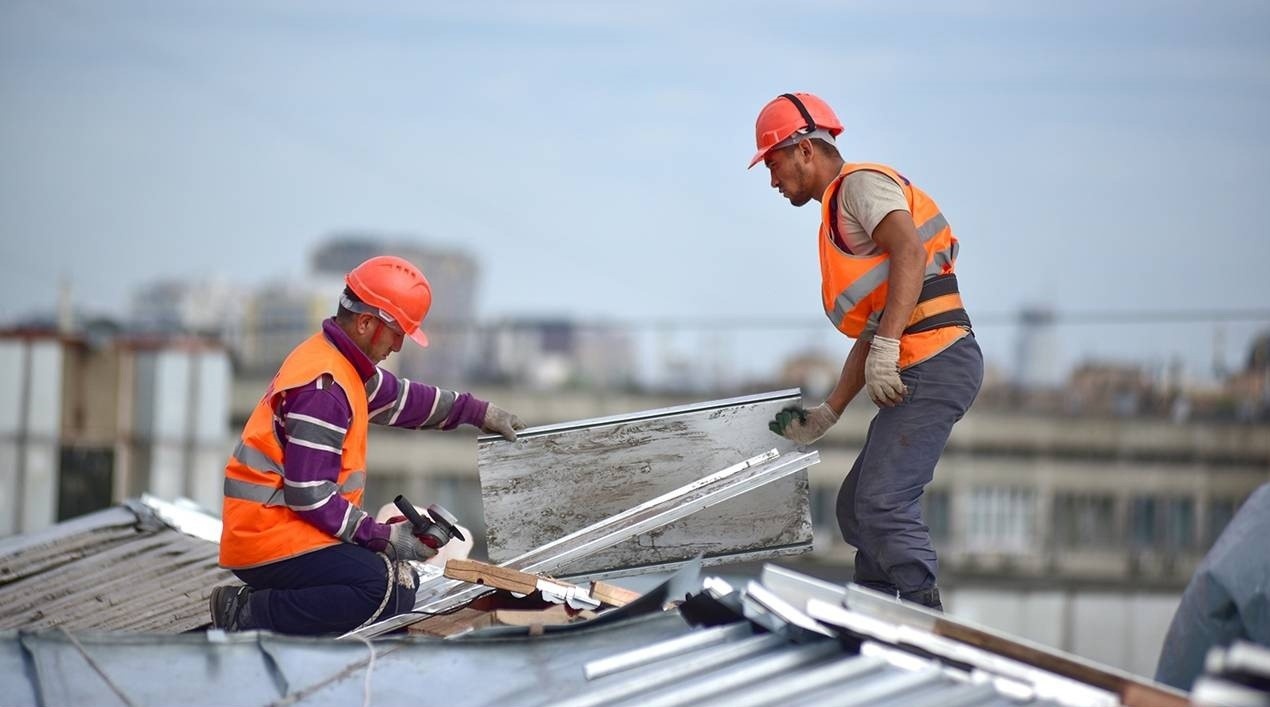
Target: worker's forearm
904, 285
401, 402
851, 380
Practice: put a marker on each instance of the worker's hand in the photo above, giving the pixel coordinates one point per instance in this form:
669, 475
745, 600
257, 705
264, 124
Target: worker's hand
406, 546
882, 372
499, 421
803, 426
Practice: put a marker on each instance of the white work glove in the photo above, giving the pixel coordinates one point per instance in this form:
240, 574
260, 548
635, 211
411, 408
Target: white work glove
882, 372
499, 421
803, 426
406, 546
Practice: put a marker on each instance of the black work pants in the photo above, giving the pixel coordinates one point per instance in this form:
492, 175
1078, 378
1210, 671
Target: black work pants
328, 591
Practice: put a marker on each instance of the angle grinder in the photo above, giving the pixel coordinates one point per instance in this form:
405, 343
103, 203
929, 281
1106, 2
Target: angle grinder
435, 529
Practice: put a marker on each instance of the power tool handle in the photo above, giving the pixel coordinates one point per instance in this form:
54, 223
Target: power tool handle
408, 510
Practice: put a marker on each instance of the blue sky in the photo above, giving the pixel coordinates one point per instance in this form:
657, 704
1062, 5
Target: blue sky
1098, 156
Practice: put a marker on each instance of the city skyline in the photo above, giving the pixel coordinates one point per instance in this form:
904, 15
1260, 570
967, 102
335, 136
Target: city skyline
668, 350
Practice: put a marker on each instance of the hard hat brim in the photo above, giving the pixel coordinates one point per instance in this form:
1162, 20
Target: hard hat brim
758, 156
419, 337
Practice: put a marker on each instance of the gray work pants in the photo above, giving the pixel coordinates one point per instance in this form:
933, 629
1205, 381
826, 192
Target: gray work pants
879, 504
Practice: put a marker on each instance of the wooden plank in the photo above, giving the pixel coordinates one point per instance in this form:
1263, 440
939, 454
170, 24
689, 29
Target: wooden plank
1131, 691
554, 481
612, 594
476, 572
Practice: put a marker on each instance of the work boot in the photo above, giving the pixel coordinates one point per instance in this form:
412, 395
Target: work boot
928, 598
230, 607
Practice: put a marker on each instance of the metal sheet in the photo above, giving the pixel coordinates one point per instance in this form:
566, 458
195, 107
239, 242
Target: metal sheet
678, 670
437, 596
666, 649
557, 479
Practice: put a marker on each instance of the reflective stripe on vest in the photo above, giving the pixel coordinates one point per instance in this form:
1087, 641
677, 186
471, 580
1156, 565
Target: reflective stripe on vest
260, 517
878, 274
854, 287
271, 495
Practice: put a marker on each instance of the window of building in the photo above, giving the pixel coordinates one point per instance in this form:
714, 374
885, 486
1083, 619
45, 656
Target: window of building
1001, 519
1220, 511
1084, 520
1179, 523
1164, 523
935, 511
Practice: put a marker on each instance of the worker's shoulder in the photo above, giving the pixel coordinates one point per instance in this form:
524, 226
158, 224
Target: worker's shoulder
864, 188
869, 174
321, 390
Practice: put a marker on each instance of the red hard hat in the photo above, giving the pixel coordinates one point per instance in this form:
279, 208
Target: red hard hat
791, 113
397, 289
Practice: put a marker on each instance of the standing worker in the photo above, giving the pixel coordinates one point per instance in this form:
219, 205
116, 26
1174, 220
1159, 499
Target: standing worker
294, 530
887, 281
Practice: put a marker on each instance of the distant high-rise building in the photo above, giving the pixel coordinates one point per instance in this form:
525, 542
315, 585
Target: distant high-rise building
209, 307
550, 353
1037, 350
277, 317
261, 325
451, 272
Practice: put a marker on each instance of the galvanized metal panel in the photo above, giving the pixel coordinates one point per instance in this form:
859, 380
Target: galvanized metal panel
438, 595
555, 480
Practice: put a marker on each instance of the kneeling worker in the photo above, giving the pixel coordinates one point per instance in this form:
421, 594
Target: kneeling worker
313, 560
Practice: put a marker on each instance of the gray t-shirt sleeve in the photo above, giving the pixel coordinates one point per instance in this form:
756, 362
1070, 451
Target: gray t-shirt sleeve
867, 197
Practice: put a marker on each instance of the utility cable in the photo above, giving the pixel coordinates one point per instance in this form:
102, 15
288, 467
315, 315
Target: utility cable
93, 664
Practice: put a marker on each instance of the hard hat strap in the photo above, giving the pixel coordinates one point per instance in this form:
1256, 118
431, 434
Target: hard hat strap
811, 122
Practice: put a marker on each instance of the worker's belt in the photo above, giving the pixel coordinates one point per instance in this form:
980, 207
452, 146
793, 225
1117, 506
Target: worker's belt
939, 305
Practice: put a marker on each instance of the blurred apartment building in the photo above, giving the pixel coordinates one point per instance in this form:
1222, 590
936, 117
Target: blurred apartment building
262, 324
210, 307
281, 315
87, 421
551, 353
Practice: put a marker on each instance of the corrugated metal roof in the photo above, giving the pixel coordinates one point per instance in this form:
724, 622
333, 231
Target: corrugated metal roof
120, 569
862, 653
215, 668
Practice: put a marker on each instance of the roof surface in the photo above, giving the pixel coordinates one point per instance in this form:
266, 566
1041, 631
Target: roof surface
120, 569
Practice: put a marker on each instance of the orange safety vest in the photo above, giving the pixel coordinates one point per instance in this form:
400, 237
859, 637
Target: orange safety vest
258, 527
854, 287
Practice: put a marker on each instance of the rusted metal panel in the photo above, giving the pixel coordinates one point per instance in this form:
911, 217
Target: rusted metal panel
555, 480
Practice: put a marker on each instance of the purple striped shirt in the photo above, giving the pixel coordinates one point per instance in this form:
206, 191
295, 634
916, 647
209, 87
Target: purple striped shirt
313, 420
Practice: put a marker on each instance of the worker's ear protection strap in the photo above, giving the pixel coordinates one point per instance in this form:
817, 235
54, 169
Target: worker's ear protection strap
811, 123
